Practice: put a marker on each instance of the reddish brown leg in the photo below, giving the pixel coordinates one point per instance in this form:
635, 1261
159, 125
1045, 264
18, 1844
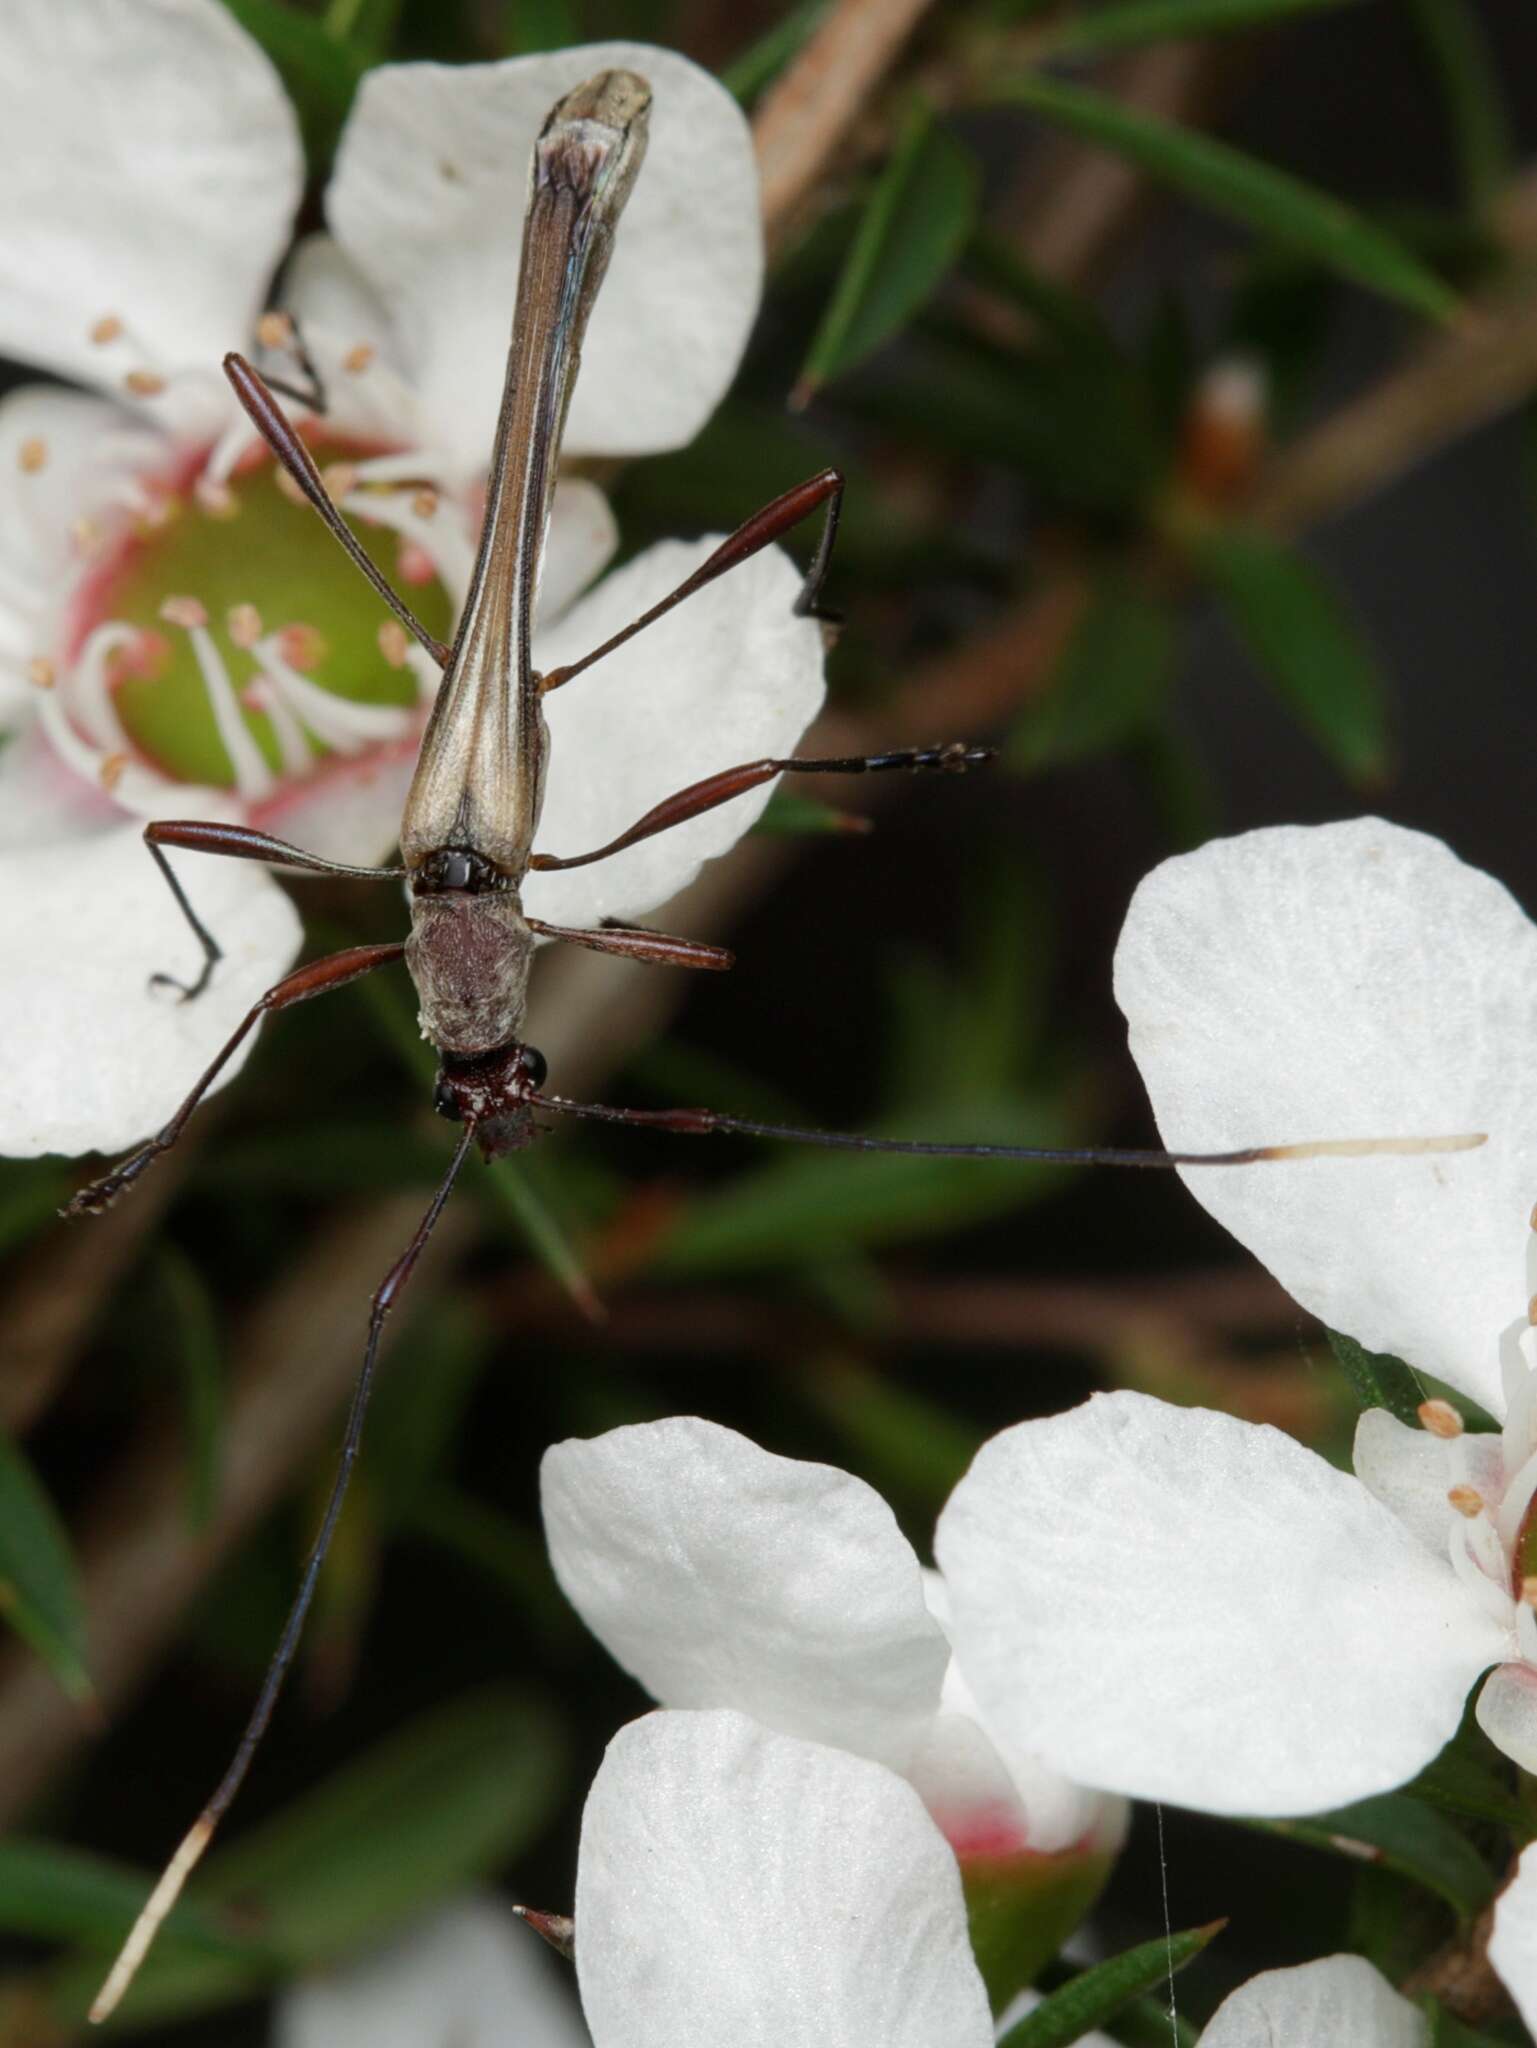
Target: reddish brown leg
700, 797
656, 947
275, 428
764, 528
316, 979
197, 835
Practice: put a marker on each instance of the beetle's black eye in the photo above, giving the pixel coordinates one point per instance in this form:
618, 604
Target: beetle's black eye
445, 1102
534, 1065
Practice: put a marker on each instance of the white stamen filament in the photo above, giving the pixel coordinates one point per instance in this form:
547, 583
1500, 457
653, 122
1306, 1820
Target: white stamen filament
428, 675
341, 724
253, 778
1520, 1431
1518, 1498
86, 690
297, 754
1493, 1595
444, 542
1526, 1632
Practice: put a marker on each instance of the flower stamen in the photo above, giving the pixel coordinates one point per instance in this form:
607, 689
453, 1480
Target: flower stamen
253, 778
1440, 1418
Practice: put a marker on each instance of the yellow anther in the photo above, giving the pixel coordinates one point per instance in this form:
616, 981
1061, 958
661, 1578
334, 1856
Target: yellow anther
1467, 1500
144, 383
358, 358
340, 479
275, 330
106, 329
110, 772
244, 623
215, 497
41, 671
425, 503
393, 643
32, 455
1440, 1418
184, 611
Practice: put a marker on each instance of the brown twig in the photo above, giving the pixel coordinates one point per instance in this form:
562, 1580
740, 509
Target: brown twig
141, 1561
804, 117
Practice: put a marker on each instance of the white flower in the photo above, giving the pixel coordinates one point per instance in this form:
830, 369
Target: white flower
468, 1976
149, 182
1186, 1607
720, 1575
1338, 2002
739, 1885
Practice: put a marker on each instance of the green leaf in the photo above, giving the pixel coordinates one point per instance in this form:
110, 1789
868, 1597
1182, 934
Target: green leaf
1449, 2032
50, 1891
197, 1355
998, 267
1472, 1778
535, 25
1074, 421
320, 72
913, 228
32, 1192
1378, 1381
762, 61
1270, 201
789, 816
1125, 23
39, 1595
1300, 634
1409, 1838
1095, 1997
368, 26
1109, 684
1458, 49
435, 1807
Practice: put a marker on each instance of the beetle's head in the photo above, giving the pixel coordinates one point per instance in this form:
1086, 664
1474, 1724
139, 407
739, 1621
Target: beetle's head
491, 1092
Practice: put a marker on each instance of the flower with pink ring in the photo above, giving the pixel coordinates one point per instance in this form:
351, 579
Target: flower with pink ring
178, 638
1199, 1610
720, 1575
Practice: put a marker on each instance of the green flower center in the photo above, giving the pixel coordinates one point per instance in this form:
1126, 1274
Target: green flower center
281, 601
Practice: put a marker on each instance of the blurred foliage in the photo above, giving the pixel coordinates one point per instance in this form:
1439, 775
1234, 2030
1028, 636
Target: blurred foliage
1026, 439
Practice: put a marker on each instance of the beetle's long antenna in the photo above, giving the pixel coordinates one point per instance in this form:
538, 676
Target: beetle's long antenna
701, 1122
142, 1934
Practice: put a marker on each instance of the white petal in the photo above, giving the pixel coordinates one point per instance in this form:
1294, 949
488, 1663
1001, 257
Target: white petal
43, 802
1507, 1712
578, 545
92, 1058
347, 331
428, 193
470, 1976
1339, 2002
1513, 1944
1177, 1605
730, 676
1351, 981
64, 457
348, 811
736, 1885
1409, 1471
150, 172
722, 1576
979, 1797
